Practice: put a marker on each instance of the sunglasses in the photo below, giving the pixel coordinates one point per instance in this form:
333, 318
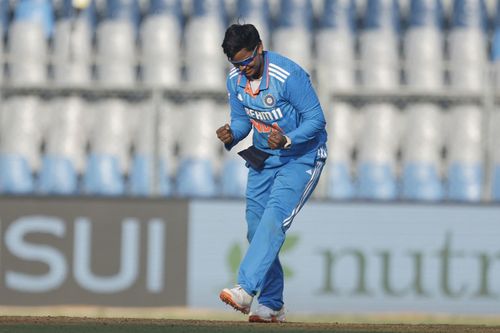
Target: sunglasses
246, 61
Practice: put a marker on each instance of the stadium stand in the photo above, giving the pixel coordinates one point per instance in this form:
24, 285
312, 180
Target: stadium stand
64, 158
423, 46
132, 92
72, 52
116, 48
20, 142
205, 65
108, 159
379, 45
342, 137
378, 143
335, 62
198, 152
422, 144
160, 40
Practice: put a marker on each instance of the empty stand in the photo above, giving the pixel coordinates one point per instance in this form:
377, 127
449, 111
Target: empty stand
335, 46
378, 144
21, 137
73, 46
495, 155
340, 184
379, 45
205, 62
160, 40
116, 48
64, 159
108, 161
465, 153
422, 144
467, 45
196, 171
292, 36
423, 45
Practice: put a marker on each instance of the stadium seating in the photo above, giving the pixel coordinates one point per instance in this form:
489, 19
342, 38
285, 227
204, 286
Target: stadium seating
494, 153
465, 154
379, 58
335, 52
428, 144
467, 45
64, 159
196, 171
116, 44
21, 137
421, 149
205, 63
423, 45
72, 45
160, 40
28, 52
108, 161
340, 147
378, 144
293, 34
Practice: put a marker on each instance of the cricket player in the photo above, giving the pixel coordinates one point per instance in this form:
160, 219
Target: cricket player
274, 95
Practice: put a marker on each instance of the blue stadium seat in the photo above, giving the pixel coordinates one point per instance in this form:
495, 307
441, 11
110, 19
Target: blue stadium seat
495, 44
166, 188
465, 181
88, 13
296, 13
376, 181
425, 13
234, 178
380, 14
4, 17
421, 181
495, 195
160, 7
103, 176
141, 175
58, 176
210, 7
36, 11
340, 184
16, 176
126, 10
195, 178
335, 15
470, 14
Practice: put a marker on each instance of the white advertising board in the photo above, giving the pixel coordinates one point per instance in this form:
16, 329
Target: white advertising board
360, 258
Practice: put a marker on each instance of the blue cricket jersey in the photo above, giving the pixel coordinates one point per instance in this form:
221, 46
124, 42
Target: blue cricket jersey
285, 102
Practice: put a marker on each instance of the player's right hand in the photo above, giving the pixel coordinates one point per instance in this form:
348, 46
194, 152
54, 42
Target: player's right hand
225, 134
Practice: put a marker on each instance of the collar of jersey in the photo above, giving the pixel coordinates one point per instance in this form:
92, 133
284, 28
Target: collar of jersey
264, 84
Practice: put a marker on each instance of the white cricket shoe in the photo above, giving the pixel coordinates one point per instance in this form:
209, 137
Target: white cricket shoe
263, 314
238, 298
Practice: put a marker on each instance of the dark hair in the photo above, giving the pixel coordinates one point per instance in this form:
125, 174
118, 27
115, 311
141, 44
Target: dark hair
238, 37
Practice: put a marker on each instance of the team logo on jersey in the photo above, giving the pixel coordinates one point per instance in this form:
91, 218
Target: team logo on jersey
269, 100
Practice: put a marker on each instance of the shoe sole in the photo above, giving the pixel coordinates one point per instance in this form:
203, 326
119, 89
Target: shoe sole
228, 299
258, 319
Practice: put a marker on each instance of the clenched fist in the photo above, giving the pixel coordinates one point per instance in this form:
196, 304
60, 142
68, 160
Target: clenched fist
276, 140
225, 134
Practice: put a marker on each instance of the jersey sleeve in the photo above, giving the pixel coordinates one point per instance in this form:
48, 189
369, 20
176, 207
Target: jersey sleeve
301, 95
240, 124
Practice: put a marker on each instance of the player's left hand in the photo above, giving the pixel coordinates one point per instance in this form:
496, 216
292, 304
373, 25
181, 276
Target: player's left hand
276, 140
